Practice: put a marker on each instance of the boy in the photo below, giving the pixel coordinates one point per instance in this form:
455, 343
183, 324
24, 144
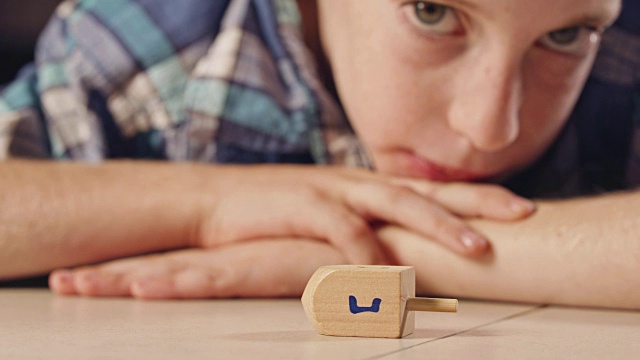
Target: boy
442, 100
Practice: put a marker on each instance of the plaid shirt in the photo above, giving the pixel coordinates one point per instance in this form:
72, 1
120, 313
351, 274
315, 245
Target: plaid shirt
230, 81
202, 80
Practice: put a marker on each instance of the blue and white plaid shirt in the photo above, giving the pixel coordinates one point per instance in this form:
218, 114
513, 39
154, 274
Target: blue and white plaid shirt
231, 81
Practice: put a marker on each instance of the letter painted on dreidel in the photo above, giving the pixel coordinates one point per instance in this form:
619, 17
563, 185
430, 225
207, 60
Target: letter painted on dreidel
328, 306
355, 309
324, 301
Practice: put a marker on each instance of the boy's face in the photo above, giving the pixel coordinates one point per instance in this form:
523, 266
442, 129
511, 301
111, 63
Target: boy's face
460, 90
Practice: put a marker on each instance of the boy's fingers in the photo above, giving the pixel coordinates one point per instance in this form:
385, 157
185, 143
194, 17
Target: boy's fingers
473, 200
236, 270
349, 232
110, 279
62, 282
253, 274
404, 207
307, 214
195, 283
101, 283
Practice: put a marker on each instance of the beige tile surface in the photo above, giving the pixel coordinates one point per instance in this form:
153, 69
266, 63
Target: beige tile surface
544, 333
37, 325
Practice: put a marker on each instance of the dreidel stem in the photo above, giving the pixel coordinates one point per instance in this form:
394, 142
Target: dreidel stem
431, 304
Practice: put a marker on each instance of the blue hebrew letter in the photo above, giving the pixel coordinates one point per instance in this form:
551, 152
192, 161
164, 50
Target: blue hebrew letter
355, 309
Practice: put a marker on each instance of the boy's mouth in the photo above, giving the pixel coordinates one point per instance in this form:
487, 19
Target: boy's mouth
421, 167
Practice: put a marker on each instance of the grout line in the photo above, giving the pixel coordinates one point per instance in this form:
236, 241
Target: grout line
512, 316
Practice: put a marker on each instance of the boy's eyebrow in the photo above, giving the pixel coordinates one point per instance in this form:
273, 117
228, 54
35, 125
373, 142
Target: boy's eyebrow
597, 17
463, 4
591, 20
602, 18
456, 3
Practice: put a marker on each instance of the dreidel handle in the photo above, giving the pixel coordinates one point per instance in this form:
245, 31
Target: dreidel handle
431, 304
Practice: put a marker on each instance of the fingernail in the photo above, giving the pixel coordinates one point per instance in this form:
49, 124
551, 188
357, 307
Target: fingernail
62, 282
523, 206
64, 276
472, 240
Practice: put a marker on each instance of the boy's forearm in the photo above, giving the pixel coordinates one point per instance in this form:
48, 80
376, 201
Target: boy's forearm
582, 252
63, 214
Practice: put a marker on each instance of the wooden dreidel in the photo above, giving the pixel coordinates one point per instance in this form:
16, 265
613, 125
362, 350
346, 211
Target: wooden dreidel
367, 301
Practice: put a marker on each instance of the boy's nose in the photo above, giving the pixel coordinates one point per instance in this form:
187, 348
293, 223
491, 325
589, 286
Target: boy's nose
486, 104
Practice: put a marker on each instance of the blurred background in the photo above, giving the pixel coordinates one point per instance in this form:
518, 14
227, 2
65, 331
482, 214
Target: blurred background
21, 21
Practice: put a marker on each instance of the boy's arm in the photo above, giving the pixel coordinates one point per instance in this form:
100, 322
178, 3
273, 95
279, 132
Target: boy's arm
583, 252
60, 214
577, 252
57, 214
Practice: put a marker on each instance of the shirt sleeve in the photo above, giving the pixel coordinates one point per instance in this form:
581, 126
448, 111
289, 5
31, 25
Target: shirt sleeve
22, 127
45, 112
108, 79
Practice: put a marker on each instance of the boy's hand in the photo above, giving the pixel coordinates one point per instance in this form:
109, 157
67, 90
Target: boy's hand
340, 205
249, 269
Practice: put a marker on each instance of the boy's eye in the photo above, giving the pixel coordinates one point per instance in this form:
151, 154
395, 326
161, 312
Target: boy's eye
565, 36
430, 13
575, 40
434, 18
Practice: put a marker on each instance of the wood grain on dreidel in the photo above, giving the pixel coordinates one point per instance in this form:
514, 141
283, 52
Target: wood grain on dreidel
326, 300
366, 301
